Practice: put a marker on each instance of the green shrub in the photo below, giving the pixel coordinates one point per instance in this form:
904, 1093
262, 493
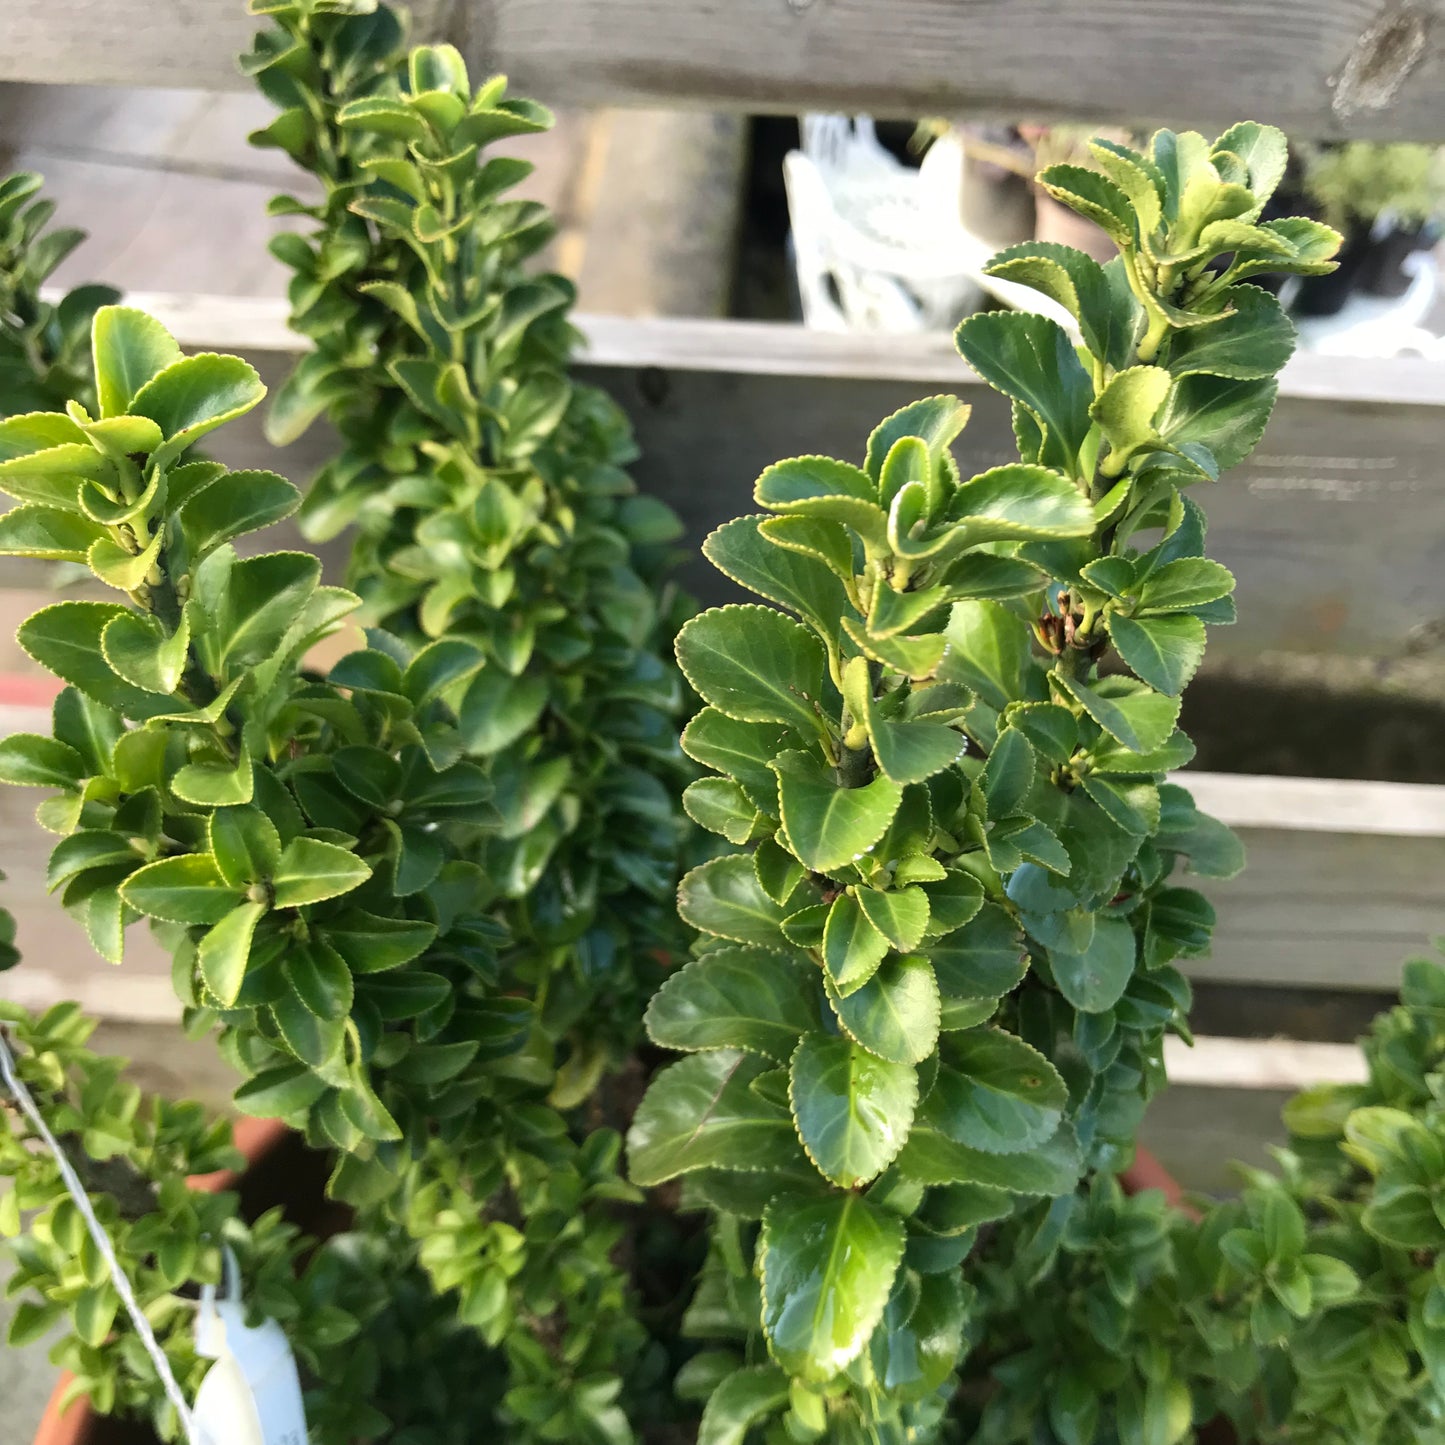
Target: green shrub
1359, 182
306, 847
44, 345
934, 981
488, 496
1311, 1308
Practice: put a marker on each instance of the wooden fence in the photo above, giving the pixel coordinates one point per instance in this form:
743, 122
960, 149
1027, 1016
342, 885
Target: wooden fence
1315, 67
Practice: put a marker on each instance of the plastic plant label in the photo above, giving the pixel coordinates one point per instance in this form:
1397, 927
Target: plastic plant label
252, 1394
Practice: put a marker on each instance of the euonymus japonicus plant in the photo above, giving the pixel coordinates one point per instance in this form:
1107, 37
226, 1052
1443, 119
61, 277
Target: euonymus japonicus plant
1311, 1308
307, 847
936, 972
382, 1357
44, 345
487, 493
133, 1156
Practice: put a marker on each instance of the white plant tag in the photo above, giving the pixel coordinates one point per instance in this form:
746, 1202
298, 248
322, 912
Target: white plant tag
252, 1394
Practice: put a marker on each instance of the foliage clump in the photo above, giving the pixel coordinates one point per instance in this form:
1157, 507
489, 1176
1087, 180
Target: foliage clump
488, 495
44, 345
1358, 183
1310, 1308
935, 975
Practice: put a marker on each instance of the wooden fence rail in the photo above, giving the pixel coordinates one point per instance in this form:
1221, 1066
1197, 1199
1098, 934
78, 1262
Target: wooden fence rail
1316, 67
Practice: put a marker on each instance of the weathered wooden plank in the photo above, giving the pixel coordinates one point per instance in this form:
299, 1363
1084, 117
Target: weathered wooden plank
1325, 910
1316, 67
767, 348
1321, 805
1199, 1134
1333, 528
1215, 1063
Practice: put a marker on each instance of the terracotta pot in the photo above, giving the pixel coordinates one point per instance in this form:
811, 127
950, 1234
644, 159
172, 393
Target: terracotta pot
280, 1169
1146, 1172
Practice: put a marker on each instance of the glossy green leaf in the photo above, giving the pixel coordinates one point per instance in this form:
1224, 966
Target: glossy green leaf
934, 420
1137, 716
755, 665
243, 607
1184, 583
138, 649
792, 579
1095, 980
498, 709
309, 871
996, 1093
829, 825
1093, 196
852, 1109
828, 542
1252, 344
1227, 416
196, 394
50, 533
65, 638
320, 979
188, 888
215, 784
1019, 503
1031, 359
852, 947
1008, 776
723, 807
825, 490
89, 848
989, 650
1404, 1215
744, 1399
371, 944
743, 750
900, 915
827, 1270
1165, 652
222, 954
930, 1156
741, 998
984, 958
895, 1014
233, 505
33, 761
724, 897
129, 349
1131, 803
1107, 314
701, 1113
1126, 410
912, 752
917, 1344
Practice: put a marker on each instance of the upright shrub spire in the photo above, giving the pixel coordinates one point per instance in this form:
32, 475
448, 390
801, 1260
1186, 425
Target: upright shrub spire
487, 493
934, 982
307, 849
